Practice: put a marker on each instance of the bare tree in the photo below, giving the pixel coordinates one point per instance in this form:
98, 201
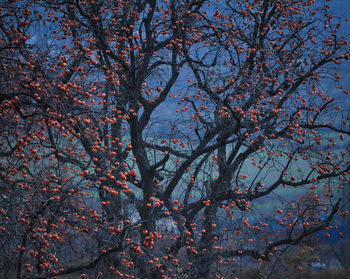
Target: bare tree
145, 138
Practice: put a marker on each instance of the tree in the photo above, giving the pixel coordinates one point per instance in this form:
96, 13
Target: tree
144, 138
